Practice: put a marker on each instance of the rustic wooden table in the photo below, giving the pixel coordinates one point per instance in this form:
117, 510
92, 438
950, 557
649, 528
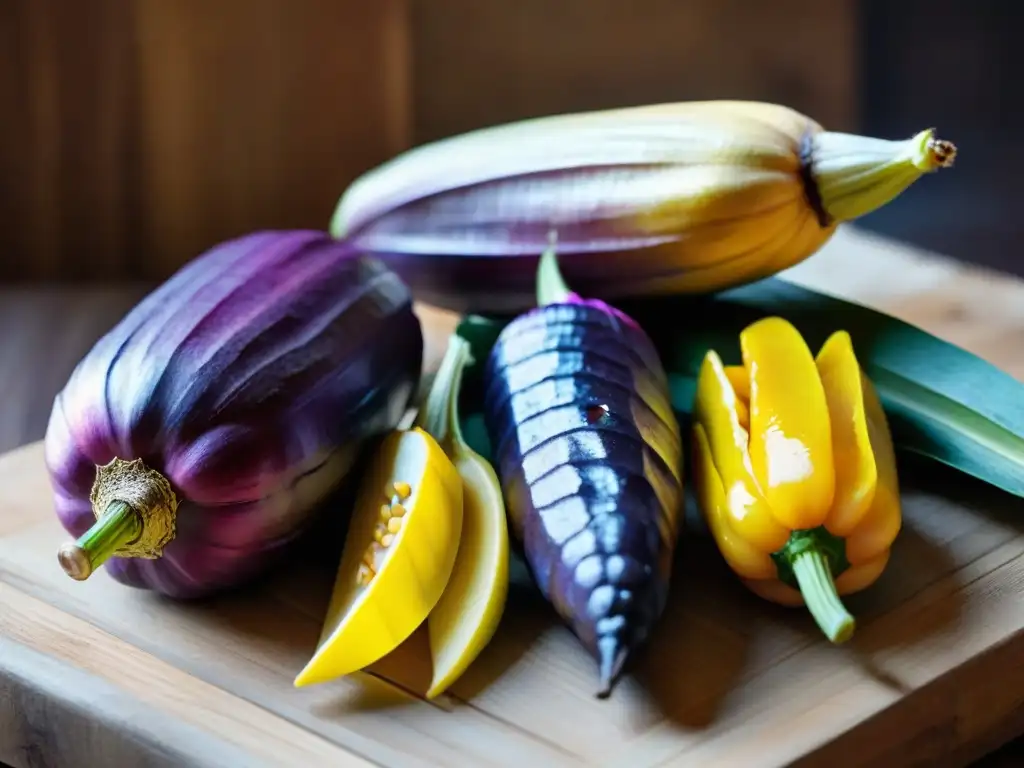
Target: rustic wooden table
45, 331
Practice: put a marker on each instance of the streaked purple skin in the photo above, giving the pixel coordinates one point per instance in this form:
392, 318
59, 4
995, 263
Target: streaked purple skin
239, 376
449, 215
464, 282
595, 536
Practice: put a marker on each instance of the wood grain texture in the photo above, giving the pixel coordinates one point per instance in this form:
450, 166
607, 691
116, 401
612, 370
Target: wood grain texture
67, 143
481, 63
54, 713
138, 133
933, 677
45, 332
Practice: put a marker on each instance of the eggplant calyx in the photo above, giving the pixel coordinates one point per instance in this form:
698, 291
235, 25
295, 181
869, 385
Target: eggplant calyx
135, 510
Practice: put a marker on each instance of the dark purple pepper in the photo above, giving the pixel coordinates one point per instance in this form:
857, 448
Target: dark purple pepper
209, 425
590, 458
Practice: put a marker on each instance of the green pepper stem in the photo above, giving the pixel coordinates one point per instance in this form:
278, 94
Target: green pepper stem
439, 414
119, 525
551, 286
814, 577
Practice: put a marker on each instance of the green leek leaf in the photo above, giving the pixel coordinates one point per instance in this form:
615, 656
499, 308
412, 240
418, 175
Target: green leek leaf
942, 401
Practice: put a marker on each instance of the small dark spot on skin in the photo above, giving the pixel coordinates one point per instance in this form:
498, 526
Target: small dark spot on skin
596, 412
956, 314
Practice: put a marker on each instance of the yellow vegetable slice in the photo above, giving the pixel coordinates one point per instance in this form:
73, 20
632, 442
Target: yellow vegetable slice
467, 615
853, 456
397, 559
739, 377
744, 557
790, 435
718, 410
880, 525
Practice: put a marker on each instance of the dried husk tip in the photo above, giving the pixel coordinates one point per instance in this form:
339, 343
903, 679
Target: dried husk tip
854, 175
135, 510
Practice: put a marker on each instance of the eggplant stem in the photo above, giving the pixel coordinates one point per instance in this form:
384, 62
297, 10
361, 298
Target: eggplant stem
814, 577
119, 526
135, 509
551, 286
439, 414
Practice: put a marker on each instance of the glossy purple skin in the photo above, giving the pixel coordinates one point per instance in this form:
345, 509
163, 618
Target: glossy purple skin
239, 376
595, 536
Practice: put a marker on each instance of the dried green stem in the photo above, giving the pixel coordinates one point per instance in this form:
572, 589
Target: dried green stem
119, 527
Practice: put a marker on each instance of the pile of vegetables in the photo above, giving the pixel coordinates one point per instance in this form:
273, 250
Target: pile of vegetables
202, 437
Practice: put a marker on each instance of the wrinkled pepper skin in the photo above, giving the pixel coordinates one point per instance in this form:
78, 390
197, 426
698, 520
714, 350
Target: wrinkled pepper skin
590, 459
793, 461
247, 380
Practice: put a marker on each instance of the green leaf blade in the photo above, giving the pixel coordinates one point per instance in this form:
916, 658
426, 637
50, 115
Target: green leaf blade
942, 401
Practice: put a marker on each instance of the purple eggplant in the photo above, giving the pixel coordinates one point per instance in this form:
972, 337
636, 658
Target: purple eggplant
589, 455
197, 439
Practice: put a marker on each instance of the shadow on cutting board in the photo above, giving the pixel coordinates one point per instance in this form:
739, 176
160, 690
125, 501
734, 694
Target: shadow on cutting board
714, 634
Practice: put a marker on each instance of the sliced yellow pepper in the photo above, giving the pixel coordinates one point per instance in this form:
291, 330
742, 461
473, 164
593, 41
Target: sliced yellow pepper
427, 544
398, 556
467, 614
795, 472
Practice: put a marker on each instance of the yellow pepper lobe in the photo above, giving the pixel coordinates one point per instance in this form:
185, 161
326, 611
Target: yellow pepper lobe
790, 435
746, 509
740, 379
863, 575
387, 583
880, 525
746, 559
853, 456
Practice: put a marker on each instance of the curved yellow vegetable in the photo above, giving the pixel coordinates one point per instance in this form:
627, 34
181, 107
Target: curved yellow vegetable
398, 556
467, 615
795, 470
686, 197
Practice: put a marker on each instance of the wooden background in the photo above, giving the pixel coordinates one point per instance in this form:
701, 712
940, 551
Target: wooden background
136, 133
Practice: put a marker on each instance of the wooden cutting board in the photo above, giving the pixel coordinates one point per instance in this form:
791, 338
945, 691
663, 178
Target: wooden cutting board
95, 674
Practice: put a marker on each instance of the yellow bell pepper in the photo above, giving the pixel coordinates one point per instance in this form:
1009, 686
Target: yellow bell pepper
795, 472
